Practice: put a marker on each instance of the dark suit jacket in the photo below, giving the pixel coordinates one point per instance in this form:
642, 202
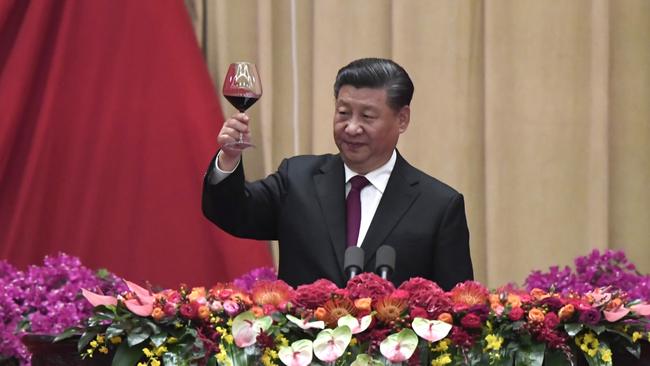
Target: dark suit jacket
302, 205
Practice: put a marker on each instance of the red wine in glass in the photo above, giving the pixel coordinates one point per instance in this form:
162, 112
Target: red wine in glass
242, 88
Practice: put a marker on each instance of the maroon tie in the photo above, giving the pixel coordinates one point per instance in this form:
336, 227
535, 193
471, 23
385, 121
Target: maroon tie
354, 208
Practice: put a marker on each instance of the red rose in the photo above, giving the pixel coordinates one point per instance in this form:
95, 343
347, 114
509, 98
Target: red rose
551, 321
516, 314
471, 321
188, 311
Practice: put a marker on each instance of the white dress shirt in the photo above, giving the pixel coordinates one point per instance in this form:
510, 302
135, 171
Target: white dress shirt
370, 194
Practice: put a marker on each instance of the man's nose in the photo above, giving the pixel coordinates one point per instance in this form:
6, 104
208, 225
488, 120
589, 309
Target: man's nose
353, 127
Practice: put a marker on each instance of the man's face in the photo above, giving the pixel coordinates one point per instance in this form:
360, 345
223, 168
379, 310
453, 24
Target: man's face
366, 129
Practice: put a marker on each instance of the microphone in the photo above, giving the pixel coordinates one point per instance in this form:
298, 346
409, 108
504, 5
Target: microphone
385, 262
353, 263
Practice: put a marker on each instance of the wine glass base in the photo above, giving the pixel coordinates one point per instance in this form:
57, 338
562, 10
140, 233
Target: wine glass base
238, 145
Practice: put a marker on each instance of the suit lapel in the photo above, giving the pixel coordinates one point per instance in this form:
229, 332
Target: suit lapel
397, 198
330, 188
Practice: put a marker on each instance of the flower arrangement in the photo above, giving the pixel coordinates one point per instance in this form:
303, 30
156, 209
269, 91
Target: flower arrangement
369, 322
46, 299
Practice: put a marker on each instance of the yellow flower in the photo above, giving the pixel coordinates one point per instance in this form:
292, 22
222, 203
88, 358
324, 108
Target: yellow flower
116, 340
592, 352
222, 356
442, 346
606, 354
93, 344
100, 338
636, 336
103, 350
172, 340
493, 342
353, 341
229, 338
160, 350
142, 364
147, 352
282, 340
155, 362
443, 359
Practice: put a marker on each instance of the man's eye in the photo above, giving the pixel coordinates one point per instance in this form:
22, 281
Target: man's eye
343, 113
369, 116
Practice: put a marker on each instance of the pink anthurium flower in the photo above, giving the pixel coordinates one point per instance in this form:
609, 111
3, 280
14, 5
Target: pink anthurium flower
96, 299
354, 324
246, 327
641, 309
617, 314
299, 354
399, 347
142, 303
331, 344
431, 330
305, 324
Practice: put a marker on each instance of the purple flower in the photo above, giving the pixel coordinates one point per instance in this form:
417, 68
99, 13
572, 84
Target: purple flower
48, 298
590, 316
247, 281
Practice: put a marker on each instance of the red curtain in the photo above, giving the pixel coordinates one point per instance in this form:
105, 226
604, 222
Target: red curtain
108, 119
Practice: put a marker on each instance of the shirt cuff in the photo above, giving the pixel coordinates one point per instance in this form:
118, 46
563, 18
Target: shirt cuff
217, 174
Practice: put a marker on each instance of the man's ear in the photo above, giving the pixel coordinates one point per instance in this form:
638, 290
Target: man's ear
403, 118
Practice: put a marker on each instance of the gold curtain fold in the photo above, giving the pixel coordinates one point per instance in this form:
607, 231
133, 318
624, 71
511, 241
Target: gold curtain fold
538, 111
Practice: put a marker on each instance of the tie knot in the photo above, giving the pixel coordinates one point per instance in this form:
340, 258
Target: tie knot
358, 182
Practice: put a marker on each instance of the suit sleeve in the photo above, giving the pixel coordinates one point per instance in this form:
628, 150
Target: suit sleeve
243, 209
452, 261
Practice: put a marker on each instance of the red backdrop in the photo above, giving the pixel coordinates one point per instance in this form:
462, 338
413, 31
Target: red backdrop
108, 119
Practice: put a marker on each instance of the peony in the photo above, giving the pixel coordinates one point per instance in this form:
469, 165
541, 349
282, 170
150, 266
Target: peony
551, 321
369, 285
516, 314
471, 321
314, 295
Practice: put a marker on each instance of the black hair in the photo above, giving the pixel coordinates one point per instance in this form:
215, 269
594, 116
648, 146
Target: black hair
377, 73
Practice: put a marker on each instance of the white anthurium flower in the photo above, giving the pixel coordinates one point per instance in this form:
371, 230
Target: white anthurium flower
399, 347
431, 330
246, 327
298, 354
355, 325
330, 344
365, 360
304, 324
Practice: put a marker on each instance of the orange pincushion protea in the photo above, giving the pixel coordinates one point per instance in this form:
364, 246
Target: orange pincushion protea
390, 308
469, 293
337, 308
276, 293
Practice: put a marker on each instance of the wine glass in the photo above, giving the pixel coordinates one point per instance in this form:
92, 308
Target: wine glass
242, 88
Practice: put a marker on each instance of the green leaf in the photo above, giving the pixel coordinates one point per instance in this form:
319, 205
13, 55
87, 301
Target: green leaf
138, 335
573, 329
634, 349
85, 339
531, 356
506, 360
68, 333
159, 339
127, 356
597, 328
557, 358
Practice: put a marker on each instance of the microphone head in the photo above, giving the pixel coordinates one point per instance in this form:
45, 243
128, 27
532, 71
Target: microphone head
385, 259
353, 258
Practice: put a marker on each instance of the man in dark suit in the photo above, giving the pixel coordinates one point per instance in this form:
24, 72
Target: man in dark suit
312, 204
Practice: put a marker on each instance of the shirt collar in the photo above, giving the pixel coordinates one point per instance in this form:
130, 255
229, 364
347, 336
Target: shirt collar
378, 177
